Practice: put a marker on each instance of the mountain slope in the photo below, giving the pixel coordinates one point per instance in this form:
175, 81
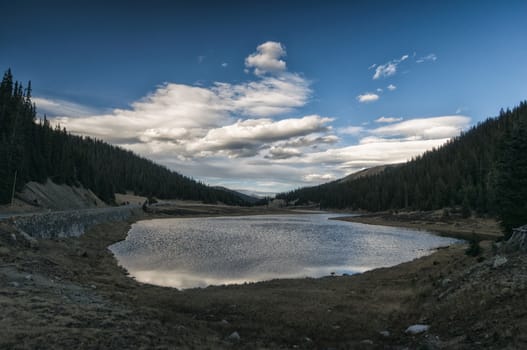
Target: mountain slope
367, 172
32, 151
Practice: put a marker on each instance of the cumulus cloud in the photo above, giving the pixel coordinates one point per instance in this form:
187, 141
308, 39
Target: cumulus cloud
375, 152
391, 87
387, 120
311, 140
367, 97
267, 58
351, 130
243, 135
389, 68
268, 96
428, 58
277, 152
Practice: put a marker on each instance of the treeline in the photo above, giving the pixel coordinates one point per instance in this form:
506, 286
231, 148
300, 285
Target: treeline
35, 151
482, 170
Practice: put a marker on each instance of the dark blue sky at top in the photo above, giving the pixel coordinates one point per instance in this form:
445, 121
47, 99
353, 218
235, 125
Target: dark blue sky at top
109, 54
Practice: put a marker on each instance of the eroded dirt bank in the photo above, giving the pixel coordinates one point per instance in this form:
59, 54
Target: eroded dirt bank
69, 293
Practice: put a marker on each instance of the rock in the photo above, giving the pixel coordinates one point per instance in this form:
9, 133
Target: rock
234, 337
499, 261
445, 282
518, 239
93, 286
224, 322
4, 251
385, 333
15, 284
29, 278
417, 328
30, 241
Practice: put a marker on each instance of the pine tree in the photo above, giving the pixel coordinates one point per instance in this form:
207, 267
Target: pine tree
511, 179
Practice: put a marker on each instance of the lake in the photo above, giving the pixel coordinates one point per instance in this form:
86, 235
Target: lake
197, 252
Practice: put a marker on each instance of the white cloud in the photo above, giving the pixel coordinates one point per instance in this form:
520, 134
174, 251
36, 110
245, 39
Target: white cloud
430, 57
379, 90
54, 107
367, 97
425, 128
391, 87
385, 70
319, 177
270, 95
313, 140
277, 152
243, 136
351, 130
172, 108
371, 153
389, 68
461, 110
266, 59
224, 64
387, 120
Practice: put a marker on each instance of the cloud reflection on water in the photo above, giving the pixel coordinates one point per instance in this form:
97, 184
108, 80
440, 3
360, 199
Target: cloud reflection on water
197, 252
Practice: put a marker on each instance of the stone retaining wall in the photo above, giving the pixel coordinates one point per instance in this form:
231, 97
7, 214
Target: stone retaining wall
518, 240
71, 223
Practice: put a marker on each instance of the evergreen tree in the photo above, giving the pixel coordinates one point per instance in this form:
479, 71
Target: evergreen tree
511, 179
36, 152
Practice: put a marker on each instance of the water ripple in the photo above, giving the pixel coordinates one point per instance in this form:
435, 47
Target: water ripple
196, 252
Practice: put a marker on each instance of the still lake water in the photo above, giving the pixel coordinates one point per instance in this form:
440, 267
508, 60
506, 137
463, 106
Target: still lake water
197, 252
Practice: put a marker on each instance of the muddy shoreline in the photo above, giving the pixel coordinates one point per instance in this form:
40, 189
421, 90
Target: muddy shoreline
472, 228
70, 293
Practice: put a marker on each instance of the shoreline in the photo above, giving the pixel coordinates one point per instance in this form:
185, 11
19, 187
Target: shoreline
474, 228
77, 296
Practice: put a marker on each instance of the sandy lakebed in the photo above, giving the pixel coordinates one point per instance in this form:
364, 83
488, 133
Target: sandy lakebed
71, 294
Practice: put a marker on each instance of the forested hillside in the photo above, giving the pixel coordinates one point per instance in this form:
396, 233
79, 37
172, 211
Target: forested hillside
483, 169
34, 151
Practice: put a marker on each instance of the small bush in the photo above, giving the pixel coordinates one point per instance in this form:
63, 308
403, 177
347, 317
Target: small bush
473, 249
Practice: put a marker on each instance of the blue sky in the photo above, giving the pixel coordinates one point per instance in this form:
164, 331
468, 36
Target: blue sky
269, 96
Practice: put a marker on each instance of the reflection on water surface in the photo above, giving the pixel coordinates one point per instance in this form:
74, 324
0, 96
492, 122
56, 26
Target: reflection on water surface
196, 252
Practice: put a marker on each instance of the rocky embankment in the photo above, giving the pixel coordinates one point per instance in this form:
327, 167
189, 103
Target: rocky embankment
71, 223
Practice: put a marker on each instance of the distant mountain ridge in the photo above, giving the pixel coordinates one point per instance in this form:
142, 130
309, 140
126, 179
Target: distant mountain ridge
245, 197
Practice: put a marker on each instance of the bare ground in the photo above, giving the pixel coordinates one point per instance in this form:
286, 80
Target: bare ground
453, 225
70, 293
